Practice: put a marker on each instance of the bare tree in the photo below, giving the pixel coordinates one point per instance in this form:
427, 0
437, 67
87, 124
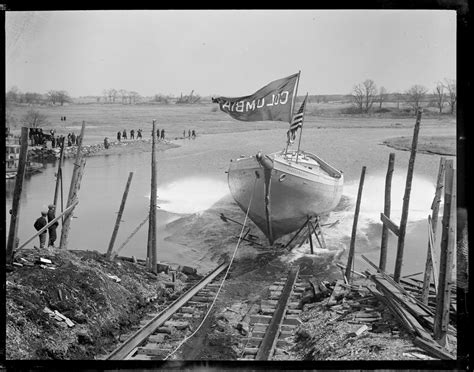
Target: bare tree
382, 96
133, 97
13, 95
450, 85
52, 96
415, 95
440, 96
34, 119
113, 94
105, 94
63, 97
363, 95
123, 95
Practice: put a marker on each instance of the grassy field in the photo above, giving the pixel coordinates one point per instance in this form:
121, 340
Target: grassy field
106, 119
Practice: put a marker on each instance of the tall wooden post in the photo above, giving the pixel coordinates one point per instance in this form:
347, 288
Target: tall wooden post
119, 216
406, 200
354, 225
15, 211
434, 223
441, 320
59, 174
79, 165
152, 220
386, 211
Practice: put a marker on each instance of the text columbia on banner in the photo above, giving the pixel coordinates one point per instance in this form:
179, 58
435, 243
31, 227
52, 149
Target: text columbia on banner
272, 102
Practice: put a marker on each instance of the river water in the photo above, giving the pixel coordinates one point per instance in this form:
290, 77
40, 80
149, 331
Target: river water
192, 182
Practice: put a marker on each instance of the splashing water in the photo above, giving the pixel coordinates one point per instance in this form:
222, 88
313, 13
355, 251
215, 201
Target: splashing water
190, 195
372, 204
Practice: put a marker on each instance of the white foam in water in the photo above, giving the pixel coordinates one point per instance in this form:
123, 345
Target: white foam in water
372, 204
190, 195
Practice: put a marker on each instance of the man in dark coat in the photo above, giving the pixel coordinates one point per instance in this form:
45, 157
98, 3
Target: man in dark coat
53, 227
39, 224
124, 134
132, 134
118, 136
162, 134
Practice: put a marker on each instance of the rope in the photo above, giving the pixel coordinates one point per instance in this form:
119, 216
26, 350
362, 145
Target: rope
223, 280
131, 235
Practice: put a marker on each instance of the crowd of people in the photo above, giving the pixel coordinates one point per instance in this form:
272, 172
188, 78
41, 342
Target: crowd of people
123, 135
39, 138
191, 134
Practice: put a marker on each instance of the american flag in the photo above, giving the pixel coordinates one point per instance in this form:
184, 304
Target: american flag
296, 122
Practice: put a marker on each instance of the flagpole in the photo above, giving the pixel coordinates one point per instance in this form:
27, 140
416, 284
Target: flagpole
301, 131
293, 107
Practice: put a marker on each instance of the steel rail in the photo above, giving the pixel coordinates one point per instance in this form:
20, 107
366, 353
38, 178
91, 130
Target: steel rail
271, 335
142, 334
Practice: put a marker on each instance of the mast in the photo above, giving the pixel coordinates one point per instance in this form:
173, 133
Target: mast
301, 128
295, 92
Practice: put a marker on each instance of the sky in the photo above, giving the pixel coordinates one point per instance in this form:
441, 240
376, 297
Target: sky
227, 52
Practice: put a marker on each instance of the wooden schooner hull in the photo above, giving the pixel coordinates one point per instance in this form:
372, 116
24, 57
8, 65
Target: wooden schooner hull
296, 190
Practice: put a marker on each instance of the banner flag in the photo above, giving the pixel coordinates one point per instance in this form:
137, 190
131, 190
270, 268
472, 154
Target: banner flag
272, 102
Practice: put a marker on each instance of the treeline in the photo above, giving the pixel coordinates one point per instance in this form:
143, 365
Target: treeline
52, 97
366, 97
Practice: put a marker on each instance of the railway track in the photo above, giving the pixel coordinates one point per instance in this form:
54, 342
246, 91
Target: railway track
163, 332
279, 319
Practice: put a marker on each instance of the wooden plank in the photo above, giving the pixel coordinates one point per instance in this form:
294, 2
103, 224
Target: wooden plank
406, 199
350, 257
446, 259
15, 210
433, 349
119, 216
430, 256
392, 226
386, 211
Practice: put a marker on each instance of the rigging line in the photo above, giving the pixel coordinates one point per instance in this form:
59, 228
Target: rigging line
223, 279
131, 235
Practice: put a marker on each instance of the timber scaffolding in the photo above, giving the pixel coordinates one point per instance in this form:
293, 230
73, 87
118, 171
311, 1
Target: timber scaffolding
425, 308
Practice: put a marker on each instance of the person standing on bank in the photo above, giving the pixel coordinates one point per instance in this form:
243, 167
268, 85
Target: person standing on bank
118, 136
39, 224
53, 227
162, 134
132, 134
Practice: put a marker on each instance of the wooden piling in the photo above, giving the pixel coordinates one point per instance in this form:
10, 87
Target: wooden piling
15, 210
406, 199
119, 216
75, 186
354, 225
153, 195
76, 178
58, 175
430, 264
310, 239
441, 320
386, 211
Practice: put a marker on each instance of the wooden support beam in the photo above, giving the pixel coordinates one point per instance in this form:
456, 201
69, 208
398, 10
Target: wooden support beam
446, 260
15, 210
406, 199
151, 256
350, 258
76, 178
431, 266
58, 175
119, 216
389, 224
386, 211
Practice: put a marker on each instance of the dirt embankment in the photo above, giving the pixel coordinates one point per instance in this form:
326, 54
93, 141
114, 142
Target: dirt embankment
116, 147
441, 145
102, 300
